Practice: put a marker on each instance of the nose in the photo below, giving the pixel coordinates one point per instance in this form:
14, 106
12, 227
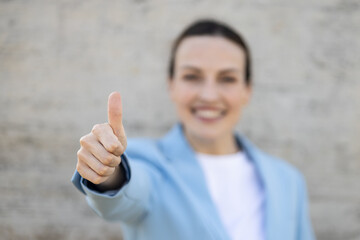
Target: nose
209, 91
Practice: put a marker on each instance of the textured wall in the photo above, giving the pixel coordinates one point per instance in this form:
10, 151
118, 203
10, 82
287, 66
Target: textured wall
59, 60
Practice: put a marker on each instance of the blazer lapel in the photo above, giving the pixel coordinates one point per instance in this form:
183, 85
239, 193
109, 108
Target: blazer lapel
178, 151
274, 222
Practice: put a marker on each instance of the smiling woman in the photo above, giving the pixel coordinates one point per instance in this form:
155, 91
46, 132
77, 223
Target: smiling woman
209, 91
202, 180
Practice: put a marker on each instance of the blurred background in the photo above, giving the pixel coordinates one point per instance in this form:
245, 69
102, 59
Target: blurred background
59, 60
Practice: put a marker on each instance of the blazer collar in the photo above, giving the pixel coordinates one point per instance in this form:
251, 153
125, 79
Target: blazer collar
175, 144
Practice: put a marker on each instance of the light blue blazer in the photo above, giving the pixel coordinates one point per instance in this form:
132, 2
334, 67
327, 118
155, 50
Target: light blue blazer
166, 196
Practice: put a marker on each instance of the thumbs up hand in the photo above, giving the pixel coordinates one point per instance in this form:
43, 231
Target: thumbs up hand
115, 117
100, 151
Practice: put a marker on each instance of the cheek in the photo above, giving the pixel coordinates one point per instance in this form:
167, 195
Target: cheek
183, 95
236, 102
183, 99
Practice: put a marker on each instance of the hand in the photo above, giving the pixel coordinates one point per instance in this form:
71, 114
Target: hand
100, 151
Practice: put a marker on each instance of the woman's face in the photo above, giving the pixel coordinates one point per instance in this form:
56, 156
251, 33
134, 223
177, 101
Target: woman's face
208, 87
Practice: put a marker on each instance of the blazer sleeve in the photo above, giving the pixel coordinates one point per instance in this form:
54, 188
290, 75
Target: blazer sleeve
130, 203
305, 231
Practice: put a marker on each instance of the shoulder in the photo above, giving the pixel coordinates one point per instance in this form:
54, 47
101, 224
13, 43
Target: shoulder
158, 148
283, 179
285, 184
282, 169
272, 168
142, 147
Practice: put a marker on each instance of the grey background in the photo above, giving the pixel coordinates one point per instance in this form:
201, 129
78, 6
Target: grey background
59, 60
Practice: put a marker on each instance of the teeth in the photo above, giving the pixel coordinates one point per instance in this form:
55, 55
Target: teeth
208, 113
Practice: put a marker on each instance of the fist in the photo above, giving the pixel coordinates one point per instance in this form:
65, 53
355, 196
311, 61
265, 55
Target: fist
100, 151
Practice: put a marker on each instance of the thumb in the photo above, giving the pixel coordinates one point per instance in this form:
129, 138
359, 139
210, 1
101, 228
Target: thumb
115, 116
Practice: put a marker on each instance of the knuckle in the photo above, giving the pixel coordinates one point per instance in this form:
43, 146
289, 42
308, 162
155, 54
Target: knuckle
79, 168
84, 140
113, 147
103, 170
117, 161
81, 155
95, 128
108, 160
122, 149
97, 180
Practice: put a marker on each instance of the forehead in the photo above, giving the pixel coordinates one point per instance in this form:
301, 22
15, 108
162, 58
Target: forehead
210, 51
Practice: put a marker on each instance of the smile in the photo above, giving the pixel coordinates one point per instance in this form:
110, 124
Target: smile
208, 114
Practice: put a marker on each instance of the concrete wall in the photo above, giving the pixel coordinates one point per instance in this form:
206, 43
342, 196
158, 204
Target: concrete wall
59, 60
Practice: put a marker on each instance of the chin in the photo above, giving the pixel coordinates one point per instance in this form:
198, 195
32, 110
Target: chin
205, 133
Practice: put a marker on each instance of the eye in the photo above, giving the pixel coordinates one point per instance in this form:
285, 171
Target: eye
191, 77
228, 79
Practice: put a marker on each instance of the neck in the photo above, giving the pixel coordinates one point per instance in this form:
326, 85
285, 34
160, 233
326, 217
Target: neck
220, 146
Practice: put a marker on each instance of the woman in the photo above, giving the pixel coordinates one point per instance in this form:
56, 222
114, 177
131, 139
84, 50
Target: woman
200, 181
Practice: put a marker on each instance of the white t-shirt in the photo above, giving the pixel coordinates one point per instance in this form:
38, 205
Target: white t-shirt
237, 193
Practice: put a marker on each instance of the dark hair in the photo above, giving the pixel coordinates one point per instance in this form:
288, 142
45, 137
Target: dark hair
209, 27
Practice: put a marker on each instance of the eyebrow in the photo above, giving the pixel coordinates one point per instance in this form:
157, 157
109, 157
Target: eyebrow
229, 70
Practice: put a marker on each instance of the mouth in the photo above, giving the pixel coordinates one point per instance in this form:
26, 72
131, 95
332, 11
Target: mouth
207, 114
